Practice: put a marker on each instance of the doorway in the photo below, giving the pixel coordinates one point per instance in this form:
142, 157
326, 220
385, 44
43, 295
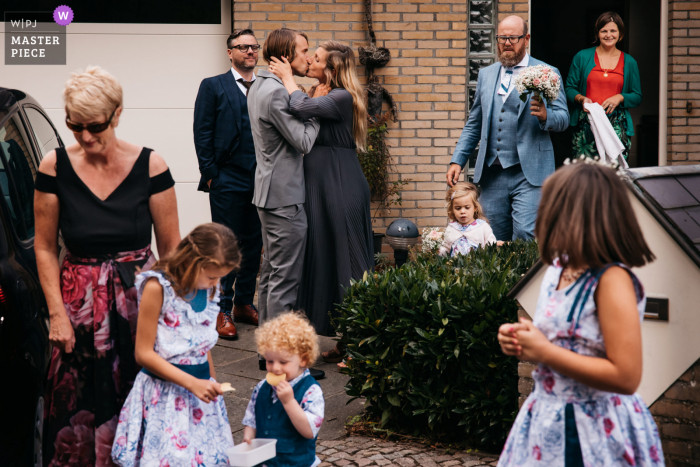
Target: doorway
561, 29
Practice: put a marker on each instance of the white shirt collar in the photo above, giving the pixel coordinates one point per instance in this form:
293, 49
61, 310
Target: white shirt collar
237, 75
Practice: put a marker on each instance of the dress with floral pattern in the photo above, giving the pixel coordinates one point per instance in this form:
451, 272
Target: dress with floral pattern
163, 424
613, 429
87, 387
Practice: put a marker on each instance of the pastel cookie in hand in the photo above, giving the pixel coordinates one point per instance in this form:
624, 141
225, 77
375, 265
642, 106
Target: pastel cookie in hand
273, 379
226, 387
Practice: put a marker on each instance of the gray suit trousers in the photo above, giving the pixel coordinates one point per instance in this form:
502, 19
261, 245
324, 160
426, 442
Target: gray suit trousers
284, 240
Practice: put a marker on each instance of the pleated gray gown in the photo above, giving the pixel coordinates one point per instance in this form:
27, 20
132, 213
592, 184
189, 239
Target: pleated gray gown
339, 236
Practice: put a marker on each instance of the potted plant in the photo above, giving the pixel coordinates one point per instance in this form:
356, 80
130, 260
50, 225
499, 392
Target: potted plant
376, 165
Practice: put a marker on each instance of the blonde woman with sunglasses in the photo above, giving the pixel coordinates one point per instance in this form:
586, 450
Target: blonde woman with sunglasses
105, 195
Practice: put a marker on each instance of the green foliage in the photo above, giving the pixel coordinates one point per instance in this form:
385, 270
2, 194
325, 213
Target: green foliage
376, 165
423, 346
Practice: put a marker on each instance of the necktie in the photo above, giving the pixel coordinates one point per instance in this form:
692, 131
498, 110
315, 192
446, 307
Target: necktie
505, 81
246, 84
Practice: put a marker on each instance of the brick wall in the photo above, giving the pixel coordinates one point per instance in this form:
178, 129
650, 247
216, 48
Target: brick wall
684, 82
426, 76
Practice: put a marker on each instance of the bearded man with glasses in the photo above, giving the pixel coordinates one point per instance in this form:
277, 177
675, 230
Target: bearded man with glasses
226, 155
515, 152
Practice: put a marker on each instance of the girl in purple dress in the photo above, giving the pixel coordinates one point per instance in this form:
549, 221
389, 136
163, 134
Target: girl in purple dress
586, 335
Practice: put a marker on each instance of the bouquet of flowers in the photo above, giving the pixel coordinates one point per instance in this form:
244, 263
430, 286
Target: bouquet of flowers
541, 79
432, 239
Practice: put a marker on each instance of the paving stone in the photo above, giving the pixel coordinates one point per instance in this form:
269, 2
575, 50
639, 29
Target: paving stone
383, 462
405, 461
329, 452
342, 462
363, 462
332, 459
450, 463
376, 457
443, 458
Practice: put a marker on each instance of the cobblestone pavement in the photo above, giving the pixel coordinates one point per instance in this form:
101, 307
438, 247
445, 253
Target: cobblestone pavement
357, 451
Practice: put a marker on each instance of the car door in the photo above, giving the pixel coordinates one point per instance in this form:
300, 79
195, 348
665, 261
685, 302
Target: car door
45, 134
24, 346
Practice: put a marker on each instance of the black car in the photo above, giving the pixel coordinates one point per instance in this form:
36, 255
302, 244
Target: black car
26, 135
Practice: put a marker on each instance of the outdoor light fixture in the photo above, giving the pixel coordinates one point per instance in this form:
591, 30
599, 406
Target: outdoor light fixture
401, 235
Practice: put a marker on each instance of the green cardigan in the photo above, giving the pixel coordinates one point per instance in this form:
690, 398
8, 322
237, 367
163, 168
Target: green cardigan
577, 80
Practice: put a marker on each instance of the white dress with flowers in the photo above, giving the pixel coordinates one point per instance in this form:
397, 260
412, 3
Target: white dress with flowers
163, 424
613, 429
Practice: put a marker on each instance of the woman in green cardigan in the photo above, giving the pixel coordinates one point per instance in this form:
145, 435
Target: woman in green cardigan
606, 75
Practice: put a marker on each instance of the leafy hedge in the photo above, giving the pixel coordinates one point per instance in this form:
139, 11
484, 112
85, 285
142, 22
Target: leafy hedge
423, 347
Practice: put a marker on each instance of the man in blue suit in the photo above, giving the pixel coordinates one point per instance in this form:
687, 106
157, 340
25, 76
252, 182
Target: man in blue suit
226, 155
515, 151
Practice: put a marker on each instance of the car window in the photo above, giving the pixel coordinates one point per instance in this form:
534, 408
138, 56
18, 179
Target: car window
17, 174
44, 132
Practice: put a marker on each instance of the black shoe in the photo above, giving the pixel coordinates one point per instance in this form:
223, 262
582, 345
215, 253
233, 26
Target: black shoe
317, 374
262, 364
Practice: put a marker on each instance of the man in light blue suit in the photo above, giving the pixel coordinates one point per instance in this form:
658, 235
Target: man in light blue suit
515, 151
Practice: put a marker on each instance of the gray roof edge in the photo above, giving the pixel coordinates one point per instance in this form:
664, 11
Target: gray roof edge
525, 279
665, 171
687, 247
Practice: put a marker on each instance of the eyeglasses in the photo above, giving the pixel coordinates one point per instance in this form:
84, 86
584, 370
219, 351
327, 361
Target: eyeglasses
511, 39
92, 128
244, 48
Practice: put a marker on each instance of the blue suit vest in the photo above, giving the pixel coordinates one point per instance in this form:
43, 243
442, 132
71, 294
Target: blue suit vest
272, 422
502, 141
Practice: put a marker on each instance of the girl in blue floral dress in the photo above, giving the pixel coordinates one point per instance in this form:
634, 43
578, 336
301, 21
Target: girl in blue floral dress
586, 335
174, 415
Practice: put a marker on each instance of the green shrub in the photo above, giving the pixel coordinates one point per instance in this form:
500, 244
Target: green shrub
423, 346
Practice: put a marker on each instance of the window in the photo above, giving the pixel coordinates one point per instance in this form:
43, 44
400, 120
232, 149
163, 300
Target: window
482, 41
43, 130
17, 174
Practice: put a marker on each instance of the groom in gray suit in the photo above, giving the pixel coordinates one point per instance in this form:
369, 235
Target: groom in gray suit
515, 152
281, 140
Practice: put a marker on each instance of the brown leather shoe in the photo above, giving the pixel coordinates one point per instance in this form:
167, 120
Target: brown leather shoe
225, 327
247, 314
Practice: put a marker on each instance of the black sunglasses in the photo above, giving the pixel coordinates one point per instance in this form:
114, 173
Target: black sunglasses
244, 48
92, 128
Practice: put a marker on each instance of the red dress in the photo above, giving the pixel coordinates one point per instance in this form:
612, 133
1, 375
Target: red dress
600, 87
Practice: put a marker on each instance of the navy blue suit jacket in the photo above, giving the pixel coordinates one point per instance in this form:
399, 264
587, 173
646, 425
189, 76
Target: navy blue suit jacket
217, 128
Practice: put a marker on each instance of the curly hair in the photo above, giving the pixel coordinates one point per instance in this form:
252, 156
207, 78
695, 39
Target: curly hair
460, 190
290, 332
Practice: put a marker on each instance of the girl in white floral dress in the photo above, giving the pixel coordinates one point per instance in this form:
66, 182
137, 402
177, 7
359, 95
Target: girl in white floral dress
174, 415
586, 335
469, 227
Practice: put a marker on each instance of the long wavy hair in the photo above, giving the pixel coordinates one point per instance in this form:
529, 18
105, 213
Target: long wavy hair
341, 60
208, 245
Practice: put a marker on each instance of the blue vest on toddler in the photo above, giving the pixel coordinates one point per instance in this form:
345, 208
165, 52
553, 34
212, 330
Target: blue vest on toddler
272, 422
503, 130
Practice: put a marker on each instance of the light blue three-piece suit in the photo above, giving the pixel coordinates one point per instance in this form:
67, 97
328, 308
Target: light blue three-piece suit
515, 152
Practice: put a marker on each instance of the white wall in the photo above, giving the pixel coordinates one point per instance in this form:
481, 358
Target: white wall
159, 67
669, 348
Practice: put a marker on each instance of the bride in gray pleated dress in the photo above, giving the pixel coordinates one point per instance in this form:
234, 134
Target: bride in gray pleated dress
339, 236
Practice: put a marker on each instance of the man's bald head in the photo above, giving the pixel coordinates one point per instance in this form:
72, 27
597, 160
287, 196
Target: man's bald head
513, 21
511, 52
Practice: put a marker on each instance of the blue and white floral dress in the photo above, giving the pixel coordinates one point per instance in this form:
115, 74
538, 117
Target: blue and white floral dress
613, 429
163, 424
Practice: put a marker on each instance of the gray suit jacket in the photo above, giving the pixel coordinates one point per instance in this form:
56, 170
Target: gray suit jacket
281, 140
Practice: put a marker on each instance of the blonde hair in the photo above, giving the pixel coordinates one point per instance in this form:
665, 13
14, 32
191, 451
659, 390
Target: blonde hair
341, 59
289, 332
92, 93
208, 245
460, 190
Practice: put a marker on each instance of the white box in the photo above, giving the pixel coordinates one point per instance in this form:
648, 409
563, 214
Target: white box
250, 455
